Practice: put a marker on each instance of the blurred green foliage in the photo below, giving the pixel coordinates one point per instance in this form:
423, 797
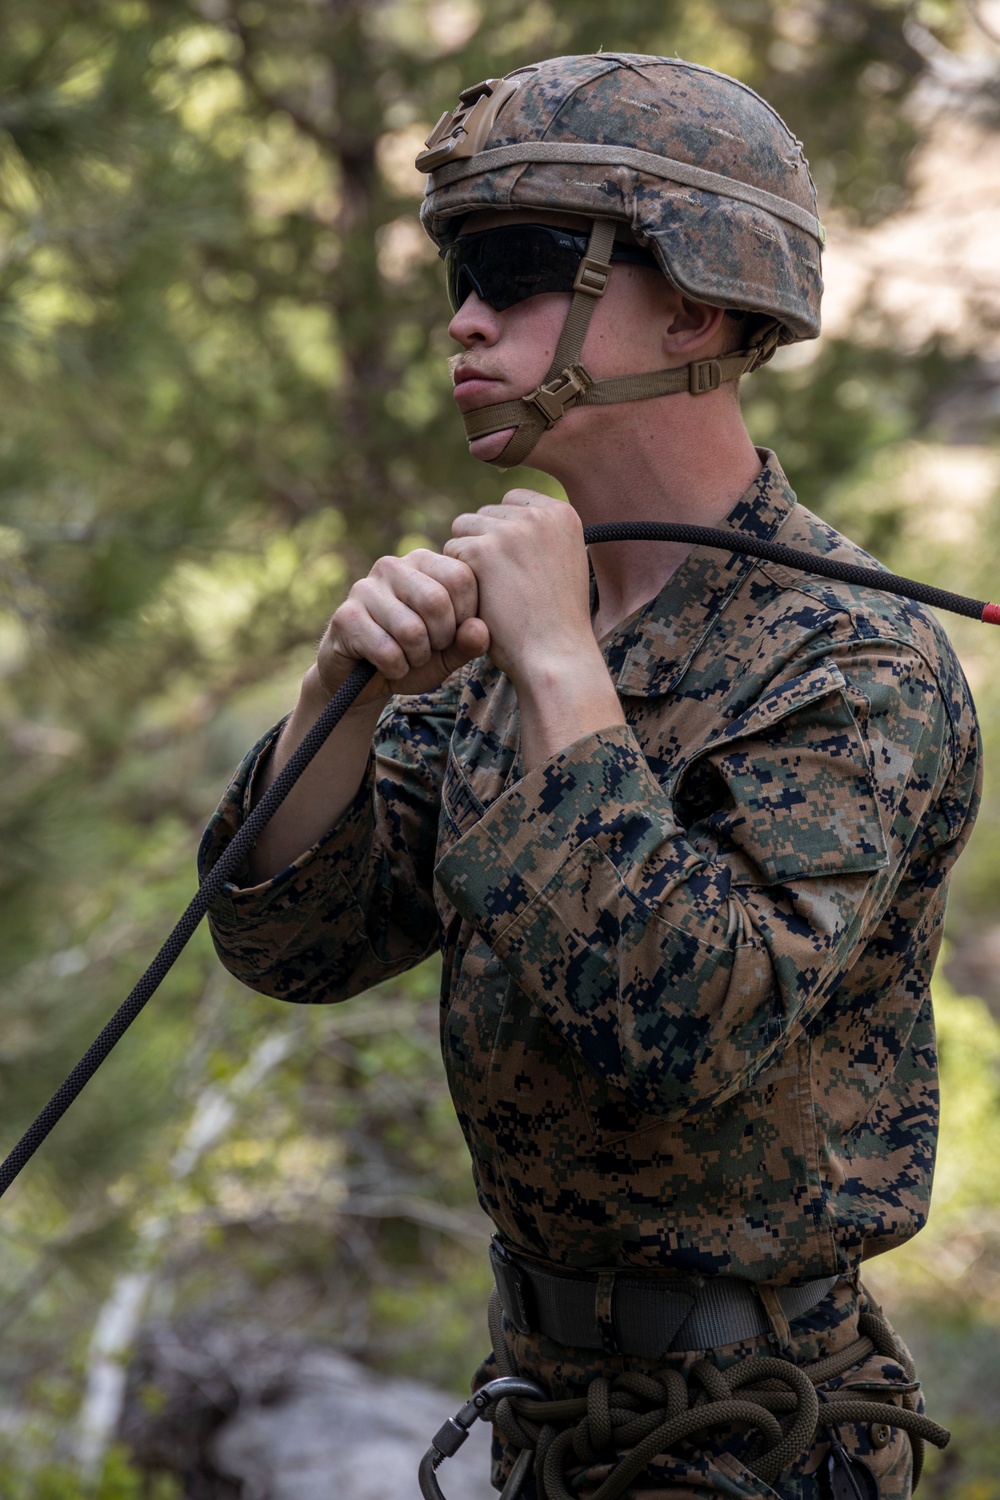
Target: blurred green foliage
222, 342
942, 1288
118, 1480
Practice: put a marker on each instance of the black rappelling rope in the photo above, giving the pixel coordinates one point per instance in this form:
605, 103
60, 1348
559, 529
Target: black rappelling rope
790, 557
236, 852
226, 865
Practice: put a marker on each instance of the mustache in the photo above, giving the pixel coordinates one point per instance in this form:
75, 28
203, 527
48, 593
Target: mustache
481, 362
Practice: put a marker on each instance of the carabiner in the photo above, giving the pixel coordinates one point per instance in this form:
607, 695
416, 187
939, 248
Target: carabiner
455, 1431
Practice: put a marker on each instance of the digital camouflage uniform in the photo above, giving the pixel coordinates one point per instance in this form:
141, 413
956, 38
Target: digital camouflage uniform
685, 1009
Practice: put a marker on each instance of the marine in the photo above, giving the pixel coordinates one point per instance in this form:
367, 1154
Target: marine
680, 822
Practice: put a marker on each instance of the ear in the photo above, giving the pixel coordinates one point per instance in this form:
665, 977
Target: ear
693, 324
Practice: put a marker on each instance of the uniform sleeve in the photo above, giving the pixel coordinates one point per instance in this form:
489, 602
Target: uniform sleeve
357, 907
678, 943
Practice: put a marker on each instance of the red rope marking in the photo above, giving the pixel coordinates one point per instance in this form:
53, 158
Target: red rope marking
991, 614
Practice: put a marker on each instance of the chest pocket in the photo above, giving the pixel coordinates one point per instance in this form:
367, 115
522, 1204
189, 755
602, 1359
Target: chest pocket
787, 791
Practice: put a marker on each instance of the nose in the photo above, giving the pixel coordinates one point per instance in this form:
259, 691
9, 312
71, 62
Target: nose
474, 323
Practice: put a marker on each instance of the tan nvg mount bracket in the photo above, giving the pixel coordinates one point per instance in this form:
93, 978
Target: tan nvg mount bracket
462, 131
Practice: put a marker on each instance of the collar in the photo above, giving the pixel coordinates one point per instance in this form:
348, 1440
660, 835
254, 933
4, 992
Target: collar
648, 653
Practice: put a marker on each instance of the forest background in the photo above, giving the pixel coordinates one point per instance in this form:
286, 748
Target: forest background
223, 393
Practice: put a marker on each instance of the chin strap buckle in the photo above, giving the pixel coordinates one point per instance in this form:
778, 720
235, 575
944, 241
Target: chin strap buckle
762, 351
592, 276
554, 398
704, 375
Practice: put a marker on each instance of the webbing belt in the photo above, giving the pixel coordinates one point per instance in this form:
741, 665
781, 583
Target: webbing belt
628, 1313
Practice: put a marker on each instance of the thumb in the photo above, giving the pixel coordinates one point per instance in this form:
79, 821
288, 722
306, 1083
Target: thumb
472, 639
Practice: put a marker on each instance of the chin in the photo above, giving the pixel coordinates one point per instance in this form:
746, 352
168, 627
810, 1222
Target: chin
490, 447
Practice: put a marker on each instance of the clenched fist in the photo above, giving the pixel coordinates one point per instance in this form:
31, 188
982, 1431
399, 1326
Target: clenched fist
415, 618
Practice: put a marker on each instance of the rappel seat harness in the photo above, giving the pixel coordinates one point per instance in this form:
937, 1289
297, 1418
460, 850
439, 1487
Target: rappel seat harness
649, 1415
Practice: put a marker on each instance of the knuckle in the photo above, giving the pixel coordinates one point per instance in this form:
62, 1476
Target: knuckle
438, 615
411, 635
389, 658
438, 597
346, 618
356, 602
384, 568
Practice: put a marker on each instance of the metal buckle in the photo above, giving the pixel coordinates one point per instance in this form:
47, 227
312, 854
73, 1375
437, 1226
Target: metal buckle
513, 1286
704, 375
592, 277
763, 351
461, 132
555, 397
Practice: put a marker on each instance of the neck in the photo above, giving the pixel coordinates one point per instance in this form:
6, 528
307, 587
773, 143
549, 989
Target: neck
674, 458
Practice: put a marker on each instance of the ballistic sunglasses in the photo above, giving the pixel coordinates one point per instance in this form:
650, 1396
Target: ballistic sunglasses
517, 261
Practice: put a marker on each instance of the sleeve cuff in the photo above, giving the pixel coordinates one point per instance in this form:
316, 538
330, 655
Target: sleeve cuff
343, 848
600, 790
232, 811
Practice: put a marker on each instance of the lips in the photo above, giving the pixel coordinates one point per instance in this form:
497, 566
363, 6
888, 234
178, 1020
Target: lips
474, 387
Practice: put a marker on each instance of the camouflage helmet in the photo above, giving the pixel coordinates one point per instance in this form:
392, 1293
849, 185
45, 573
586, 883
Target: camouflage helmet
698, 166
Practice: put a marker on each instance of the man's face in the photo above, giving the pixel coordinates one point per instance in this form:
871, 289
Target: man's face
507, 354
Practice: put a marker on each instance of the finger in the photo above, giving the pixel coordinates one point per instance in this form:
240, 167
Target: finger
477, 523
459, 548
524, 497
452, 574
499, 512
406, 624
355, 636
424, 598
374, 624
404, 580
472, 640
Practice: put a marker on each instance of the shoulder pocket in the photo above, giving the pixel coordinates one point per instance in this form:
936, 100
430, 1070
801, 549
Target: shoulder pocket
789, 787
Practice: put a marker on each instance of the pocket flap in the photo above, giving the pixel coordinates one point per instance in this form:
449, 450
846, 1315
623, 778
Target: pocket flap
789, 786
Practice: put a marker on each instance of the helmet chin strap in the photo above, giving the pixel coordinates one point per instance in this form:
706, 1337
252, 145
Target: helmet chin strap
567, 383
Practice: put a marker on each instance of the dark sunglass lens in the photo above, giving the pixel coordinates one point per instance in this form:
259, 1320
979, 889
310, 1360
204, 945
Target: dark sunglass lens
541, 260
509, 265
461, 282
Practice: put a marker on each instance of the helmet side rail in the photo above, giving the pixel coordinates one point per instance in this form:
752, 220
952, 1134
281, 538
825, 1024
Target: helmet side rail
233, 857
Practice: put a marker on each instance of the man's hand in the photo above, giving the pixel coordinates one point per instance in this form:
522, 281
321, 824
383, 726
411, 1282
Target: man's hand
530, 564
414, 618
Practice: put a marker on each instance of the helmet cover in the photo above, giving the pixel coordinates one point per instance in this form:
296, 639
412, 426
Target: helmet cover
694, 162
